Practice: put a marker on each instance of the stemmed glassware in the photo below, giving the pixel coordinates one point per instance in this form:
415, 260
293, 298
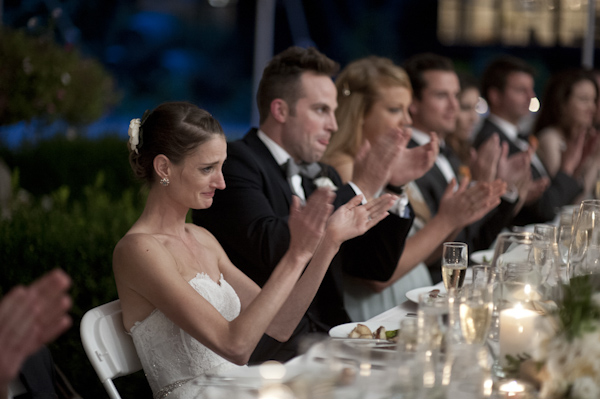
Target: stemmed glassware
455, 259
584, 255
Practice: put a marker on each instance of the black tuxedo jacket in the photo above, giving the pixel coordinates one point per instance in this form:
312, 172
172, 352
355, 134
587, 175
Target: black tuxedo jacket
249, 218
478, 235
562, 190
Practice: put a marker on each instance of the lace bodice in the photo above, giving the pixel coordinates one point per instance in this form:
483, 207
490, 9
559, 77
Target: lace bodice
170, 357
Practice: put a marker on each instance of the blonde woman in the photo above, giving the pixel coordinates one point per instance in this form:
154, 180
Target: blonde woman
374, 96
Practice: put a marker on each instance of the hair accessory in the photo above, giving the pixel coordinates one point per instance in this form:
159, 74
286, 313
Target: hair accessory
164, 181
346, 91
134, 134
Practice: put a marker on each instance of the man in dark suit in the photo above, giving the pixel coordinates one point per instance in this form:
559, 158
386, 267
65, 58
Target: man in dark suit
296, 101
435, 108
507, 85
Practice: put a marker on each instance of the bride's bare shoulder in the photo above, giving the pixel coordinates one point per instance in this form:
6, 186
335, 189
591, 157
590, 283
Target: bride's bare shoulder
138, 249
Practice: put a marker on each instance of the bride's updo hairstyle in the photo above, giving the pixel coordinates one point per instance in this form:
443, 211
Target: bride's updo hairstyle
173, 129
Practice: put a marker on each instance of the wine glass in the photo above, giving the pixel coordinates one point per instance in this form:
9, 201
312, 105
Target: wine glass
584, 254
454, 264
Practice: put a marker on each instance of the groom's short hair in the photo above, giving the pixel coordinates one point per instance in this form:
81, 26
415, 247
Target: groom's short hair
281, 76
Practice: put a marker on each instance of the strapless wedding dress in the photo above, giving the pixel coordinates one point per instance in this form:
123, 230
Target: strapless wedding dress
170, 357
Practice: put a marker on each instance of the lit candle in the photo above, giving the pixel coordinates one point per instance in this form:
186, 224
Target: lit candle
517, 331
514, 389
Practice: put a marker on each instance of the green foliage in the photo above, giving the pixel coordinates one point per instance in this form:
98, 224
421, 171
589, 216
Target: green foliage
41, 80
578, 313
55, 162
75, 227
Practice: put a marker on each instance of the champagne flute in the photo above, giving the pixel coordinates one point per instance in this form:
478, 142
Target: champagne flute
454, 264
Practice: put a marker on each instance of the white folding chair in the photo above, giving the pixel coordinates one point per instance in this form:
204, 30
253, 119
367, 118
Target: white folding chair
109, 348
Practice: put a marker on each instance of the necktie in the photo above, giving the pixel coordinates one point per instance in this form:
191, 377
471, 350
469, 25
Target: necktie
310, 170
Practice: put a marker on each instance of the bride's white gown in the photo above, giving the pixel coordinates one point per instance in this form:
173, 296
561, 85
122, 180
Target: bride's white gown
170, 357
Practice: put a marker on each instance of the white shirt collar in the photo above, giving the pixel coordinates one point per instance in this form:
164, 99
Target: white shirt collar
421, 138
281, 156
511, 131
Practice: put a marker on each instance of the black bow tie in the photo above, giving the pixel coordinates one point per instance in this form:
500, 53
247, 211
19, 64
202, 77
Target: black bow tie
310, 170
445, 150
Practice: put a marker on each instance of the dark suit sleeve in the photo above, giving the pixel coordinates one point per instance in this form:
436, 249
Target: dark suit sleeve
562, 191
375, 254
481, 234
252, 229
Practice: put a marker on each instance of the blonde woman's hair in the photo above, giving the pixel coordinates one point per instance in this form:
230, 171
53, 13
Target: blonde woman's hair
358, 88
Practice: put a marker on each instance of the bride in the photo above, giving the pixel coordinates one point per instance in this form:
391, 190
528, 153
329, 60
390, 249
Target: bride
189, 310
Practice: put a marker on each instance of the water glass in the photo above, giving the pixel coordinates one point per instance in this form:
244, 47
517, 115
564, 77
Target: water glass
483, 275
432, 322
455, 257
514, 247
544, 232
475, 311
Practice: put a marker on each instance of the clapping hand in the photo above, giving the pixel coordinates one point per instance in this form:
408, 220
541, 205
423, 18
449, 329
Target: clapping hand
484, 161
31, 317
353, 219
307, 223
374, 162
466, 205
413, 163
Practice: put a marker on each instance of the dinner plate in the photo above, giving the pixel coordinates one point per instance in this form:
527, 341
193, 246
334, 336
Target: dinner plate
413, 295
343, 330
483, 256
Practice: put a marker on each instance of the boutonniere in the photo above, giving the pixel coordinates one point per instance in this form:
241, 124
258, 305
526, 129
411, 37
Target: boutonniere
324, 182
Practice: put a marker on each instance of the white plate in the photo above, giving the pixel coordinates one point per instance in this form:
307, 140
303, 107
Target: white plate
343, 330
478, 256
413, 295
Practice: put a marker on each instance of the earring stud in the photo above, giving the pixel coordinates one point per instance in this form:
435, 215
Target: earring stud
164, 181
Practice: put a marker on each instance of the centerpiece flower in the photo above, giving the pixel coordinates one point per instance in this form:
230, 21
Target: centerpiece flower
567, 350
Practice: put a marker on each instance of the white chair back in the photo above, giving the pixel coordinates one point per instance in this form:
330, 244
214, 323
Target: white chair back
108, 347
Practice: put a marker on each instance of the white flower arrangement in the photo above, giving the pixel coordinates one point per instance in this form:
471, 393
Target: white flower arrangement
325, 182
134, 134
568, 345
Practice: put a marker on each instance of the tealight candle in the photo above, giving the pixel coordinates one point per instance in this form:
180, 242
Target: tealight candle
517, 330
514, 389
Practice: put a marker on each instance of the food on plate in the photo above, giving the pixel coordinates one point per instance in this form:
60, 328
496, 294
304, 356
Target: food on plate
362, 331
434, 293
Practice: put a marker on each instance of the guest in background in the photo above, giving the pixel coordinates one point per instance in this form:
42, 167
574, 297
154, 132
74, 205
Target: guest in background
373, 98
435, 108
461, 138
507, 85
565, 123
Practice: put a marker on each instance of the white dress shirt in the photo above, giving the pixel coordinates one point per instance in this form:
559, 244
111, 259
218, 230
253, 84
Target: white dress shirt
441, 161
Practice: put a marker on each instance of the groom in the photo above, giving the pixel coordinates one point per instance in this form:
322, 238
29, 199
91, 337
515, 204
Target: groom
296, 101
